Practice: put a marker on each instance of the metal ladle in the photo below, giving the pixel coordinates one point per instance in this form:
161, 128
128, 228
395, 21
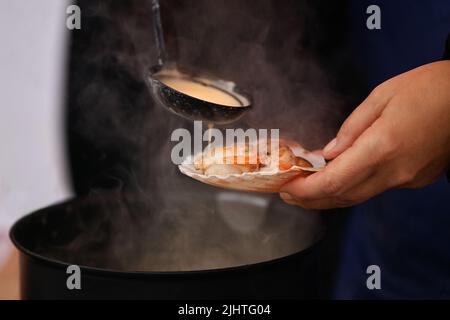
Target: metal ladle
182, 104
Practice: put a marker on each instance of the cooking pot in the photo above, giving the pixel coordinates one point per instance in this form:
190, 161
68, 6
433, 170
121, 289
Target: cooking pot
237, 246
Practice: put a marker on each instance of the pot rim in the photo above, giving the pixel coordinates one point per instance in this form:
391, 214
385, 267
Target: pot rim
114, 272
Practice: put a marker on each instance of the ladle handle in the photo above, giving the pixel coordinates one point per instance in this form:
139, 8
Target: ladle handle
159, 34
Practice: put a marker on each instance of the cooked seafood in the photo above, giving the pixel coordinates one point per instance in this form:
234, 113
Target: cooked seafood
245, 167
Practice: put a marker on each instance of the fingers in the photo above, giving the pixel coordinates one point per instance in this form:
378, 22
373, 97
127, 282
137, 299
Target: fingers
286, 197
361, 119
348, 170
374, 185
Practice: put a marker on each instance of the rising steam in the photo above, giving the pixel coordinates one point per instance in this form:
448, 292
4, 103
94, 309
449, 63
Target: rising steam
274, 51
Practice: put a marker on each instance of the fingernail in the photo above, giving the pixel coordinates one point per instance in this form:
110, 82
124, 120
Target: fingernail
285, 196
330, 146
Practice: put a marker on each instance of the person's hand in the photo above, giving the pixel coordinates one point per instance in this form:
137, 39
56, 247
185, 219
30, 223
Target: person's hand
399, 137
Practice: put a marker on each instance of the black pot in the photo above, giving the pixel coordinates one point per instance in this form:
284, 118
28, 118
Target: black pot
85, 233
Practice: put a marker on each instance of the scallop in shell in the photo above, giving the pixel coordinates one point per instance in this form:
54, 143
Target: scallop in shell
268, 180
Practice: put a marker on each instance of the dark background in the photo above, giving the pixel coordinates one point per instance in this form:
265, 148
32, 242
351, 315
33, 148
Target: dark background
113, 124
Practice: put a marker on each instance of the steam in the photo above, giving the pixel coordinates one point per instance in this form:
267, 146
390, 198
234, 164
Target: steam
157, 218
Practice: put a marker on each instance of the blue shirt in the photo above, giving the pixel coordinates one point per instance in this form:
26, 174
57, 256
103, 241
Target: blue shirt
405, 232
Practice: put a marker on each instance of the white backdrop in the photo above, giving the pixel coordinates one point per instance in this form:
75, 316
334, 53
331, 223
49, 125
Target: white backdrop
32, 63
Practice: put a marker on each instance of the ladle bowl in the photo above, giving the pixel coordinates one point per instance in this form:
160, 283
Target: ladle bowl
193, 108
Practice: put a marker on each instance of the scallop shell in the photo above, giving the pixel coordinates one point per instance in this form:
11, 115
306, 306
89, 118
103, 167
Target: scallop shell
261, 181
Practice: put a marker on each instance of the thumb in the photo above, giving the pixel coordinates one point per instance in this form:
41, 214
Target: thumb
360, 119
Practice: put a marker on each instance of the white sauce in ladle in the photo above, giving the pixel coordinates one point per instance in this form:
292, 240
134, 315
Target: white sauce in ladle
201, 91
